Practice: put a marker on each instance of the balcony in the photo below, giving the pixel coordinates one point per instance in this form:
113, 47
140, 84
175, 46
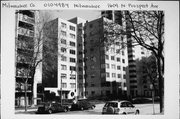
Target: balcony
27, 19
25, 32
20, 87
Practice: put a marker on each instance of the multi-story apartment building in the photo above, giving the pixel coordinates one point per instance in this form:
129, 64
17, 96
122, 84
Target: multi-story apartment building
105, 69
134, 85
24, 51
60, 58
80, 56
116, 16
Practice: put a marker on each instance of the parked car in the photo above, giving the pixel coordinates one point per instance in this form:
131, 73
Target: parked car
119, 107
67, 102
50, 107
82, 105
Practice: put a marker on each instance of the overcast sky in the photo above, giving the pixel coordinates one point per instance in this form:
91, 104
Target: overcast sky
68, 14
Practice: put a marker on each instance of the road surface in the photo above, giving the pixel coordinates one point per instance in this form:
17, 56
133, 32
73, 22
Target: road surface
145, 109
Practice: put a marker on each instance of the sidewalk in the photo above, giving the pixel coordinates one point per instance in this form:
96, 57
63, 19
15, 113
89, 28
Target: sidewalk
22, 109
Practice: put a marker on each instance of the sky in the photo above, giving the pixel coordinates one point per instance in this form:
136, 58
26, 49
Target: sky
68, 14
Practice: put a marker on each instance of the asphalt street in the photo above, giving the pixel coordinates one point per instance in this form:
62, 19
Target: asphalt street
145, 109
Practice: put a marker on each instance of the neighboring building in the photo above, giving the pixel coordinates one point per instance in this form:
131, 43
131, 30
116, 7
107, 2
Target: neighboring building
24, 51
59, 74
80, 56
134, 85
113, 15
105, 69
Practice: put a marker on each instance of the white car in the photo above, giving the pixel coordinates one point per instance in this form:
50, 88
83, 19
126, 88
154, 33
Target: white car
119, 107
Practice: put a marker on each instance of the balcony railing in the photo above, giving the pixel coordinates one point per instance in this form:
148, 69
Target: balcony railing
25, 32
26, 19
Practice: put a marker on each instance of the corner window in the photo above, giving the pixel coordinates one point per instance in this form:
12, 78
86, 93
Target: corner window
72, 28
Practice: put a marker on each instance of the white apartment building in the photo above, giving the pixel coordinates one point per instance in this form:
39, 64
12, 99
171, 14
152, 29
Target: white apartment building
63, 80
80, 56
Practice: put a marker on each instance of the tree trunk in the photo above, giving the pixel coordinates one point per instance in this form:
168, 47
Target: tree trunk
32, 88
161, 86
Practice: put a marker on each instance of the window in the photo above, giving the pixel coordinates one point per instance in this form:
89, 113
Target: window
80, 52
118, 59
107, 74
72, 68
102, 66
112, 57
72, 52
63, 33
72, 76
122, 52
124, 68
113, 66
119, 67
103, 74
107, 57
113, 75
63, 41
118, 51
102, 57
63, 58
73, 85
92, 76
72, 28
119, 75
80, 61
72, 43
63, 25
63, 76
63, 49
80, 68
107, 66
72, 60
112, 50
64, 85
123, 60
124, 76
72, 36
63, 67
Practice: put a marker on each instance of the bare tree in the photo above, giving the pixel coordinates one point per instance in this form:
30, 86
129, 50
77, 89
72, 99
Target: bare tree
144, 28
29, 47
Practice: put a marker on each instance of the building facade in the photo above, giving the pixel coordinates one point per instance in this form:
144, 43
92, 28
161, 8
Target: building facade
80, 56
25, 87
134, 85
59, 72
105, 70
